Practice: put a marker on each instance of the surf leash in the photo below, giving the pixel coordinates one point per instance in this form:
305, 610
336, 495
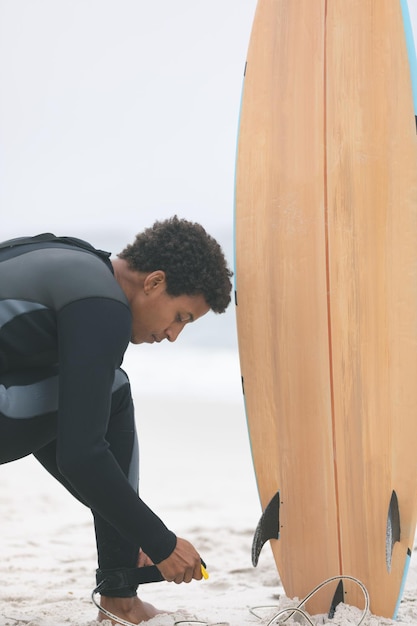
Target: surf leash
120, 578
289, 611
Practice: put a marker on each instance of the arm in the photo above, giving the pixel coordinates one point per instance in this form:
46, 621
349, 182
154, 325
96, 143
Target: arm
93, 335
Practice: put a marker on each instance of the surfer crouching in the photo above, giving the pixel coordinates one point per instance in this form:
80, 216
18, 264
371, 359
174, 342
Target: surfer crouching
67, 315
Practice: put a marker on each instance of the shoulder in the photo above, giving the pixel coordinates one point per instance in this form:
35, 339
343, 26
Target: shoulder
59, 276
76, 275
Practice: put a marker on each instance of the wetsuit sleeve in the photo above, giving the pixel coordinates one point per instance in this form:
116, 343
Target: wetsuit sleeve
93, 335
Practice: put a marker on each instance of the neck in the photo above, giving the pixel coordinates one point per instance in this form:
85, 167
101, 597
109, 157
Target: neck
129, 280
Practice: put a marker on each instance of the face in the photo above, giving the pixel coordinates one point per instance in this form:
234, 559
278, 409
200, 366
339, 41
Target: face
158, 316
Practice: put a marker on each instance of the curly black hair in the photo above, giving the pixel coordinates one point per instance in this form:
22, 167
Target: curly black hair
192, 260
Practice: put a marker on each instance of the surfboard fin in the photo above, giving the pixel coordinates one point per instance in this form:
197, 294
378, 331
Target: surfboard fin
267, 528
339, 597
393, 529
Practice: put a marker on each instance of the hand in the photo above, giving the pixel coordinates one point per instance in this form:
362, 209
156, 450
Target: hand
182, 565
143, 559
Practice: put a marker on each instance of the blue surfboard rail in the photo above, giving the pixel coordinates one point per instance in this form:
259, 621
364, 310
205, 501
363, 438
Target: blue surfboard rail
411, 49
404, 579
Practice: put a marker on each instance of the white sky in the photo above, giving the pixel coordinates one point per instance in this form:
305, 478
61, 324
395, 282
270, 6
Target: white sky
114, 113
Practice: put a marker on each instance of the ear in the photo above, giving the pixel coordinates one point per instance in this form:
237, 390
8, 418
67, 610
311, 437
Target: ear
154, 281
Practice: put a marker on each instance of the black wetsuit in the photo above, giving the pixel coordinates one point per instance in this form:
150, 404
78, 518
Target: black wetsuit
65, 324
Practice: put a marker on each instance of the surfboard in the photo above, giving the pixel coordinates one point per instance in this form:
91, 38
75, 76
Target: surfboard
326, 293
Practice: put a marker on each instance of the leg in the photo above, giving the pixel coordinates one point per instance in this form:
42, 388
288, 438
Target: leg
114, 551
28, 417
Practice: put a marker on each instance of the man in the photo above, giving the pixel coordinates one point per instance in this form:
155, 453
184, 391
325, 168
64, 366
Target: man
67, 314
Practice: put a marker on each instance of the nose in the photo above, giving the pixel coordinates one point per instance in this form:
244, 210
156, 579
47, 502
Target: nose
172, 333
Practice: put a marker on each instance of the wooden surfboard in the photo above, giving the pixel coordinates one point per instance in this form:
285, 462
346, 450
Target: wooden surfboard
326, 293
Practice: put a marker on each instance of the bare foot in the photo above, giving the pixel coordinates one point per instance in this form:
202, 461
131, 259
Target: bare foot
129, 609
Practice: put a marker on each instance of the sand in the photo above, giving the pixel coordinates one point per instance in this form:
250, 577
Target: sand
196, 473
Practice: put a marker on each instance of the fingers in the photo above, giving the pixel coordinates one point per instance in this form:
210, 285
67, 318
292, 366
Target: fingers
183, 565
190, 574
186, 577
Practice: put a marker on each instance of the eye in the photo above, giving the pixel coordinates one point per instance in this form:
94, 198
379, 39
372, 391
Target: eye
183, 319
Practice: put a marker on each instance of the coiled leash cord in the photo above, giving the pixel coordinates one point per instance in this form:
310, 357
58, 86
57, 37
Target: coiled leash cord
298, 609
289, 611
